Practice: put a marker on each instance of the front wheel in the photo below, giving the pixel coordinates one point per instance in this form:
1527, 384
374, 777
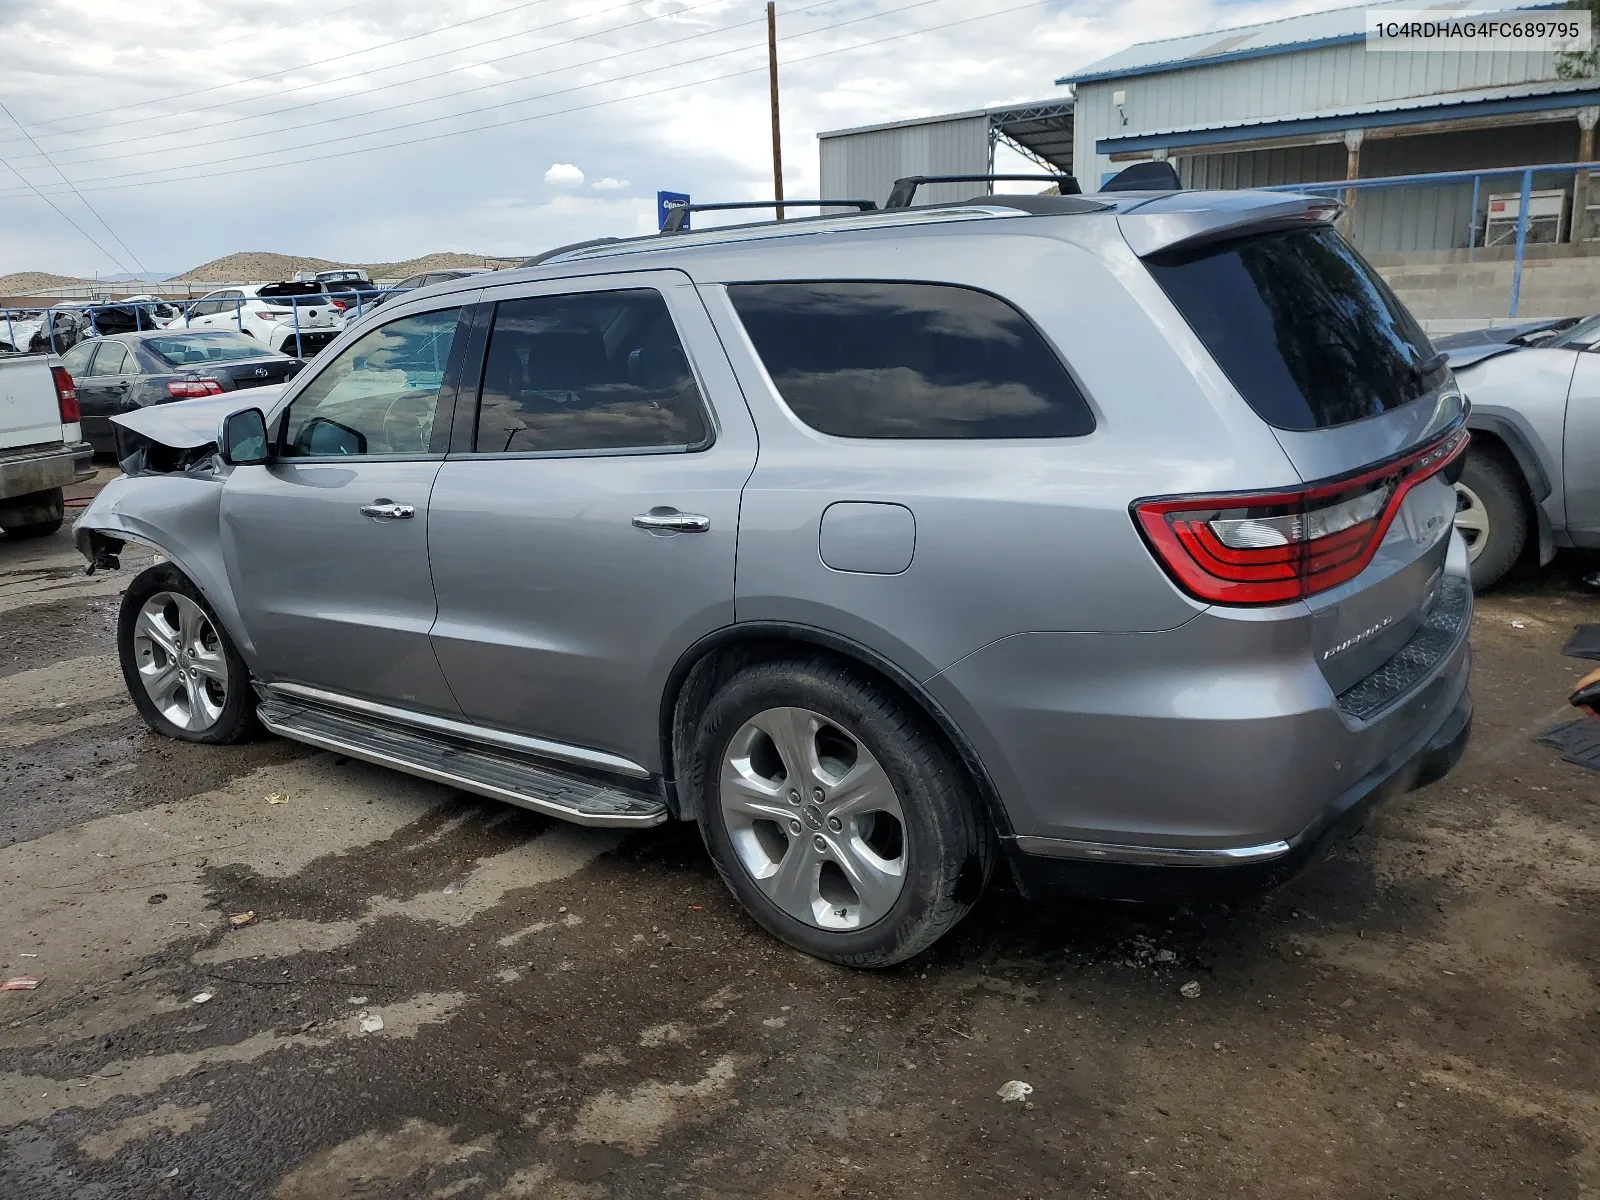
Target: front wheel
182, 670
1491, 518
834, 815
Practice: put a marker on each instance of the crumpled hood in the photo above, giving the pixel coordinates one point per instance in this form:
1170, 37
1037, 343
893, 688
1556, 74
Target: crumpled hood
185, 424
1468, 356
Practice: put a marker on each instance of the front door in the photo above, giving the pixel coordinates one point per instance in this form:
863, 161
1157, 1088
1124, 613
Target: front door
104, 389
1581, 451
327, 545
583, 529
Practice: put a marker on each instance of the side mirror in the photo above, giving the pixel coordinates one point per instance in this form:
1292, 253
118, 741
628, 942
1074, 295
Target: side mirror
244, 438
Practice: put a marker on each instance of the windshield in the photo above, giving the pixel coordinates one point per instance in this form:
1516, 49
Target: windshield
1302, 325
189, 349
1580, 337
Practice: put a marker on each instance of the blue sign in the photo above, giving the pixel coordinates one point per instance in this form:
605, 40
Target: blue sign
665, 203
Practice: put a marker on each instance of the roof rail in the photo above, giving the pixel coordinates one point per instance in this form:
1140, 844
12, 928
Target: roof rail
570, 246
905, 189
678, 216
1155, 176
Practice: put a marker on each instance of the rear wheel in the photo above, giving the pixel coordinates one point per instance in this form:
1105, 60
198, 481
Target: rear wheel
834, 815
37, 514
183, 672
1491, 517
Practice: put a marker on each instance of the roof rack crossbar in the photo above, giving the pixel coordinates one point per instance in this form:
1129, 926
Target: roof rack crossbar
678, 215
905, 189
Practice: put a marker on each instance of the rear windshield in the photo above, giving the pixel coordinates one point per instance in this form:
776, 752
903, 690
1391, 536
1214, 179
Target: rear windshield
1305, 329
316, 300
184, 349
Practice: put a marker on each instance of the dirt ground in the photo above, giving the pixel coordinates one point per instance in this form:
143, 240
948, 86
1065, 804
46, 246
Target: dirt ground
572, 1014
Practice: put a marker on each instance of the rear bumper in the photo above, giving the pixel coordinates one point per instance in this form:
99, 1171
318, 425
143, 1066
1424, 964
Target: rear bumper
1144, 873
39, 469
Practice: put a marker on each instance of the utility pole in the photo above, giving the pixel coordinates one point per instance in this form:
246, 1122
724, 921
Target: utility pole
772, 76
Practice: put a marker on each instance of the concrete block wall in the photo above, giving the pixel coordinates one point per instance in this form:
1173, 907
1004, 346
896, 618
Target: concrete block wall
1551, 287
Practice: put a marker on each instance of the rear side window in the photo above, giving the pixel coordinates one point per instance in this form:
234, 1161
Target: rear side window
1303, 327
909, 360
592, 371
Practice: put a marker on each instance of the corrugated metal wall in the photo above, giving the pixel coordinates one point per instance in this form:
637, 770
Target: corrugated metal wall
1284, 85
864, 166
1394, 220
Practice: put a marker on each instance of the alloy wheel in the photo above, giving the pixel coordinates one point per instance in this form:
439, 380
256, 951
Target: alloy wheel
814, 819
181, 661
1472, 519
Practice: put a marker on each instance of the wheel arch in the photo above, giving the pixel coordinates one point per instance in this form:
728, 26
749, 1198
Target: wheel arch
1501, 436
717, 656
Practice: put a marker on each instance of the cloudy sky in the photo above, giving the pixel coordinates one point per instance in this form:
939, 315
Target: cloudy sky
383, 129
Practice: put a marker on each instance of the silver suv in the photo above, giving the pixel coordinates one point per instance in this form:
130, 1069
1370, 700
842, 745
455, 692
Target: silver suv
1104, 533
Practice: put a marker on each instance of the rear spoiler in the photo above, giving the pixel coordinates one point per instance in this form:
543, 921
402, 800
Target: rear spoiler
1187, 219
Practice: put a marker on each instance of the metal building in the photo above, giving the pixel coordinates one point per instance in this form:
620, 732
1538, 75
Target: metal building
1303, 99
863, 163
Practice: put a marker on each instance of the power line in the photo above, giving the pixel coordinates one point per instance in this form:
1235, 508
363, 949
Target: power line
504, 104
410, 37
604, 58
66, 218
404, 82
114, 236
578, 107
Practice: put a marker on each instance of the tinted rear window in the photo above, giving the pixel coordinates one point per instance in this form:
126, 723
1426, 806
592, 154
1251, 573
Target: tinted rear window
190, 349
1305, 329
909, 360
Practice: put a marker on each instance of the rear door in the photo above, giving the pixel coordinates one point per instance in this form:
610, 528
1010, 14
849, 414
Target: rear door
327, 545
1325, 354
583, 529
103, 390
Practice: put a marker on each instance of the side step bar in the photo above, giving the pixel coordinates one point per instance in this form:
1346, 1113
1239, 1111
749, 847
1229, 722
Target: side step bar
481, 770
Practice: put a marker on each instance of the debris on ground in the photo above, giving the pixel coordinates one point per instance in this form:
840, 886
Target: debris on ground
241, 919
450, 889
201, 998
355, 999
277, 798
156, 898
1014, 1089
1191, 990
1166, 956
20, 983
371, 1022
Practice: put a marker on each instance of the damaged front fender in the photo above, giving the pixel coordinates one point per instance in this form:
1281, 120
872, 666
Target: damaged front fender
176, 512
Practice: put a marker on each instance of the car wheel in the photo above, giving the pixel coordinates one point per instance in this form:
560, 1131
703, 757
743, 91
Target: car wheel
1492, 518
182, 670
835, 815
36, 514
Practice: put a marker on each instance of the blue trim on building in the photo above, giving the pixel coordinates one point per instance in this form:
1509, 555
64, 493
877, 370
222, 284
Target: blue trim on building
1210, 60
1336, 124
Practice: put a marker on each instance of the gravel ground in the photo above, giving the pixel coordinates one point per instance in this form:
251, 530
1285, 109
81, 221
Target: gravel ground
571, 1014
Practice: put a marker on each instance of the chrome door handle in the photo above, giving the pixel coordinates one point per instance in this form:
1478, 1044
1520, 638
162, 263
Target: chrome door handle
388, 510
670, 520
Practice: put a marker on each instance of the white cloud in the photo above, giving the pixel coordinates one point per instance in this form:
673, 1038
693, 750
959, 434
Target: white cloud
564, 175
172, 119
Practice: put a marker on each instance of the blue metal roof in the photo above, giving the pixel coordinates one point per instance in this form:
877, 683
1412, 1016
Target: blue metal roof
1285, 36
1480, 102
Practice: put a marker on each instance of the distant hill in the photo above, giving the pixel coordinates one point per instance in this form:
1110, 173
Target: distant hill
264, 264
252, 265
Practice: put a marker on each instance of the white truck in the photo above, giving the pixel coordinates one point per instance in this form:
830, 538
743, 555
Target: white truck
41, 447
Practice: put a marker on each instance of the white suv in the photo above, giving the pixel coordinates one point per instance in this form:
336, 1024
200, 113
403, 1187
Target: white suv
294, 318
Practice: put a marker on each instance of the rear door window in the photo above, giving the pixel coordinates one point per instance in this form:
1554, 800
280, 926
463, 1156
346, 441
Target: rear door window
590, 371
112, 360
909, 360
1302, 325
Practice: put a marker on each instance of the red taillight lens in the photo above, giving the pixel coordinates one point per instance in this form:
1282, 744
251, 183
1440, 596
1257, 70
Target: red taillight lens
188, 389
66, 395
1272, 547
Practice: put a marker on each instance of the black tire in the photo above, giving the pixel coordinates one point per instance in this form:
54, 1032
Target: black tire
948, 847
1496, 488
35, 515
237, 721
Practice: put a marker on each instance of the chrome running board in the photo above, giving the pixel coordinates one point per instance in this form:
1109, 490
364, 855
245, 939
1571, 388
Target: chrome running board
463, 763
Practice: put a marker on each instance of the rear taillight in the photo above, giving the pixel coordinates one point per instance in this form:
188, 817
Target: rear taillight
188, 389
1272, 547
66, 395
